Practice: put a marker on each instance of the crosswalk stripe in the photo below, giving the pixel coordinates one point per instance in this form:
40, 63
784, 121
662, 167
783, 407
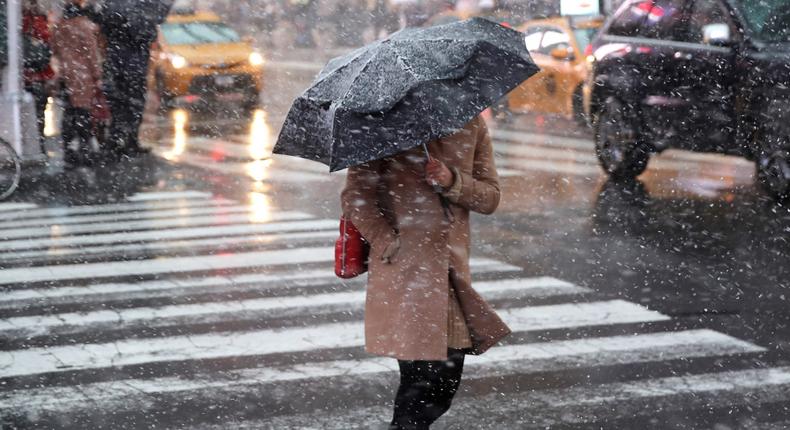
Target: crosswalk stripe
259, 170
165, 234
14, 206
261, 342
146, 224
182, 211
167, 195
193, 245
523, 358
167, 265
41, 325
581, 405
115, 208
214, 283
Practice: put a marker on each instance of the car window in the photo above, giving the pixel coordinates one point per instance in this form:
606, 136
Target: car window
705, 13
196, 33
554, 38
655, 19
532, 38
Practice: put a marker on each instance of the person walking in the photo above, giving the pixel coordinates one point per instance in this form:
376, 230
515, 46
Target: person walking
75, 45
421, 308
129, 28
38, 73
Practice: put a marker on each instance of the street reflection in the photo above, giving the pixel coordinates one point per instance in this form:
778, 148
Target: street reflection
180, 120
260, 145
50, 121
258, 170
260, 204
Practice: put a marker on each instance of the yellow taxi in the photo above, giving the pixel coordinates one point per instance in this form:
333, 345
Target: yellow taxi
198, 60
558, 46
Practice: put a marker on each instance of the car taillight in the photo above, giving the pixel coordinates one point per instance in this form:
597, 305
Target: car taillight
588, 50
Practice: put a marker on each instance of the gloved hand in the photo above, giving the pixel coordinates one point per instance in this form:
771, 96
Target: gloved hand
391, 251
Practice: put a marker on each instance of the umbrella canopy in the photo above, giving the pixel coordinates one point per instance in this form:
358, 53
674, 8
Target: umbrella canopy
138, 17
417, 85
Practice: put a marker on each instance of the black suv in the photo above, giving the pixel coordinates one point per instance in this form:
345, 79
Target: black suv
701, 75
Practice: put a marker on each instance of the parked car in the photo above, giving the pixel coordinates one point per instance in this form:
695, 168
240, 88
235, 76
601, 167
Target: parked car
558, 46
198, 60
700, 75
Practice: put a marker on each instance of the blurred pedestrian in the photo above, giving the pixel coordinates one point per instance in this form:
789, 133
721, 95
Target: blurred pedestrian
129, 27
75, 45
421, 308
38, 73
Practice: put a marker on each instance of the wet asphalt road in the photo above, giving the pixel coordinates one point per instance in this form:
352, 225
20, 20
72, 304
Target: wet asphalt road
192, 288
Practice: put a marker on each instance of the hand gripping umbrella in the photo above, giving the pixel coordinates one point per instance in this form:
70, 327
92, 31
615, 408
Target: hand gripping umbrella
413, 87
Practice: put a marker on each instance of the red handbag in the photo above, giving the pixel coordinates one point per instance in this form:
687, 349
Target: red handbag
351, 251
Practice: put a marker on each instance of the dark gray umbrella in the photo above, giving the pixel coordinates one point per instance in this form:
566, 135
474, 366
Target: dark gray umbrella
138, 17
413, 87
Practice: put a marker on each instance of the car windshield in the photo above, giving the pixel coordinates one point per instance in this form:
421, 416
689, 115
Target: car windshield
196, 33
584, 36
770, 19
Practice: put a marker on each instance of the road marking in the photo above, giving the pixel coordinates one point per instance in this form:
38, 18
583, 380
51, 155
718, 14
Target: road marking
193, 245
582, 405
14, 206
201, 209
147, 224
257, 170
36, 361
45, 213
214, 284
166, 234
41, 325
168, 195
511, 359
166, 265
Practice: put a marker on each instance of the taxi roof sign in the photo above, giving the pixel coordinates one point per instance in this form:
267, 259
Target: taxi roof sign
580, 7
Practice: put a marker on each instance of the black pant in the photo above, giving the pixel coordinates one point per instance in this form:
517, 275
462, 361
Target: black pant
126, 82
39, 92
426, 390
76, 123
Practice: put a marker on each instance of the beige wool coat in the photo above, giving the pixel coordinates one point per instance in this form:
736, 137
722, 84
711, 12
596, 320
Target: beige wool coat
406, 310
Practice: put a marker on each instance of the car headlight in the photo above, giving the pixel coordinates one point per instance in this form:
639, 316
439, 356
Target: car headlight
177, 61
255, 59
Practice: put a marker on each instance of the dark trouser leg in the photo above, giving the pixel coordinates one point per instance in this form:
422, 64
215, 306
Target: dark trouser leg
76, 123
39, 93
426, 391
127, 98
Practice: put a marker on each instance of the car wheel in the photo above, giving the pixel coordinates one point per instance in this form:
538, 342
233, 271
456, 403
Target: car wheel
578, 107
165, 98
251, 103
773, 164
618, 145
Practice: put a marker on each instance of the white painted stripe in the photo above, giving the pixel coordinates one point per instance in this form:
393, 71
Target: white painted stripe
192, 245
14, 206
239, 344
580, 405
166, 265
265, 174
566, 168
144, 224
166, 234
529, 358
167, 195
112, 208
201, 209
534, 155
520, 138
40, 325
172, 287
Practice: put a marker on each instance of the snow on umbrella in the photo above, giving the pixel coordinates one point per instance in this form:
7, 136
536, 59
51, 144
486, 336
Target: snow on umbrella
417, 85
137, 17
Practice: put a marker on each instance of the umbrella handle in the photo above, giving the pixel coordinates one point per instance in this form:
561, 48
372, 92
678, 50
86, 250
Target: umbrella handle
448, 211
